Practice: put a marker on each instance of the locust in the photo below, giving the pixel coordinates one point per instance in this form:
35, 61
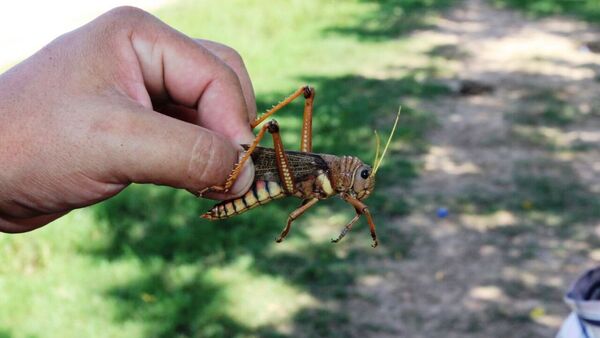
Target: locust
303, 174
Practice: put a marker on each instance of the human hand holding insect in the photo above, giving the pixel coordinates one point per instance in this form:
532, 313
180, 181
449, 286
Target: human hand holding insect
306, 175
127, 99
123, 99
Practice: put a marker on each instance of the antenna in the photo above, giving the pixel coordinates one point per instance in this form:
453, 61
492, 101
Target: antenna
378, 164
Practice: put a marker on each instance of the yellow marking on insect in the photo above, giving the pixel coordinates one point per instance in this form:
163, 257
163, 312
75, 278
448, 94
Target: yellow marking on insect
221, 211
261, 191
239, 204
229, 210
325, 184
250, 199
274, 189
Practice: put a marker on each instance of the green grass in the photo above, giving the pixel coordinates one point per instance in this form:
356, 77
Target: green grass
144, 265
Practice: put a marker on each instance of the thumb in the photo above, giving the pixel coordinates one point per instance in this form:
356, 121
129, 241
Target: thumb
153, 148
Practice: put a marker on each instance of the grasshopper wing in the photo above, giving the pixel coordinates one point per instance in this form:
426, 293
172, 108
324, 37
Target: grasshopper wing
302, 165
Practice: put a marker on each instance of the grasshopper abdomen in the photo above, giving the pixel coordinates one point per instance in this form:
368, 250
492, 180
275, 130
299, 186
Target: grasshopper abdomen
260, 193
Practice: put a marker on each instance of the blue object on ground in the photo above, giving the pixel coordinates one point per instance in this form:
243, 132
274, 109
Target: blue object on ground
442, 212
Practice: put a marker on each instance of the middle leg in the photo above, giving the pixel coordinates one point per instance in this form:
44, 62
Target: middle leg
294, 215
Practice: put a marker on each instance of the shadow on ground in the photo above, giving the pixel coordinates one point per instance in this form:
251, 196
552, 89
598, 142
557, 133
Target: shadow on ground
585, 9
392, 19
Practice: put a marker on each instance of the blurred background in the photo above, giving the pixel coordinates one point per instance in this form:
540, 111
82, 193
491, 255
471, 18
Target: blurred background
487, 206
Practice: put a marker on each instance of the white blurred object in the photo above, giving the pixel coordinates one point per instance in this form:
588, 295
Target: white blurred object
28, 25
584, 300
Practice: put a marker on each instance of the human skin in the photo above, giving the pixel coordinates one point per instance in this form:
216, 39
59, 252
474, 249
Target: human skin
122, 99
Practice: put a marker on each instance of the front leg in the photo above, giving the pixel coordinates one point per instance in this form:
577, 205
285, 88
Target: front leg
362, 208
347, 228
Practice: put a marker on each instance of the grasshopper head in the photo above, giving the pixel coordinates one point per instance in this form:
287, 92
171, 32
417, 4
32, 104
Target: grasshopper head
364, 181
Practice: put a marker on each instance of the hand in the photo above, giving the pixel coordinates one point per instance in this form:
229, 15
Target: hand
122, 99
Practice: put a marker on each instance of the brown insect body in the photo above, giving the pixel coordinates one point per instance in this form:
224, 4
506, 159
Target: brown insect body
317, 176
303, 174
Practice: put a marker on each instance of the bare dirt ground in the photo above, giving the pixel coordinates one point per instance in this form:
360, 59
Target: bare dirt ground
516, 168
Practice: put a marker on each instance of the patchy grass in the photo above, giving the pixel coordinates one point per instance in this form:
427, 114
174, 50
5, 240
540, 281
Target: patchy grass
584, 9
538, 185
551, 185
545, 107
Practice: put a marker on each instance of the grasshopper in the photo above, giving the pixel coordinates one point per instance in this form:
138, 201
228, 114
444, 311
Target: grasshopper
309, 176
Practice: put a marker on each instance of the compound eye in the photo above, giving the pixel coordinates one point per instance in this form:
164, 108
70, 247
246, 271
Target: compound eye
365, 174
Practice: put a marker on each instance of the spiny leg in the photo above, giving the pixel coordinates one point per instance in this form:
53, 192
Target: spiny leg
309, 95
364, 210
286, 176
306, 145
306, 204
285, 173
278, 106
306, 140
347, 228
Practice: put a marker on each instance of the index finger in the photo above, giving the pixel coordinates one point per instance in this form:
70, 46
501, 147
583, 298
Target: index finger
234, 60
175, 66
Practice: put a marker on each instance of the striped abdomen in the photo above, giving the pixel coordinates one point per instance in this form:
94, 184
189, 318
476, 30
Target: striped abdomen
261, 192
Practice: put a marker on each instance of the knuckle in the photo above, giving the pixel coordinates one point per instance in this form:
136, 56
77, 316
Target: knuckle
227, 54
126, 12
124, 18
233, 57
117, 25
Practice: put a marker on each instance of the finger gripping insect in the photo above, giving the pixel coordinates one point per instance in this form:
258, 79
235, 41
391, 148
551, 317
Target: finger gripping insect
303, 174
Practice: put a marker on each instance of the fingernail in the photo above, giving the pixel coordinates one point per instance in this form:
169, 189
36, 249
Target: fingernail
245, 179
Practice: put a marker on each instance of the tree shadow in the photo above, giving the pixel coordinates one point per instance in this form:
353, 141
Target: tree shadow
171, 309
392, 19
588, 10
513, 306
160, 227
